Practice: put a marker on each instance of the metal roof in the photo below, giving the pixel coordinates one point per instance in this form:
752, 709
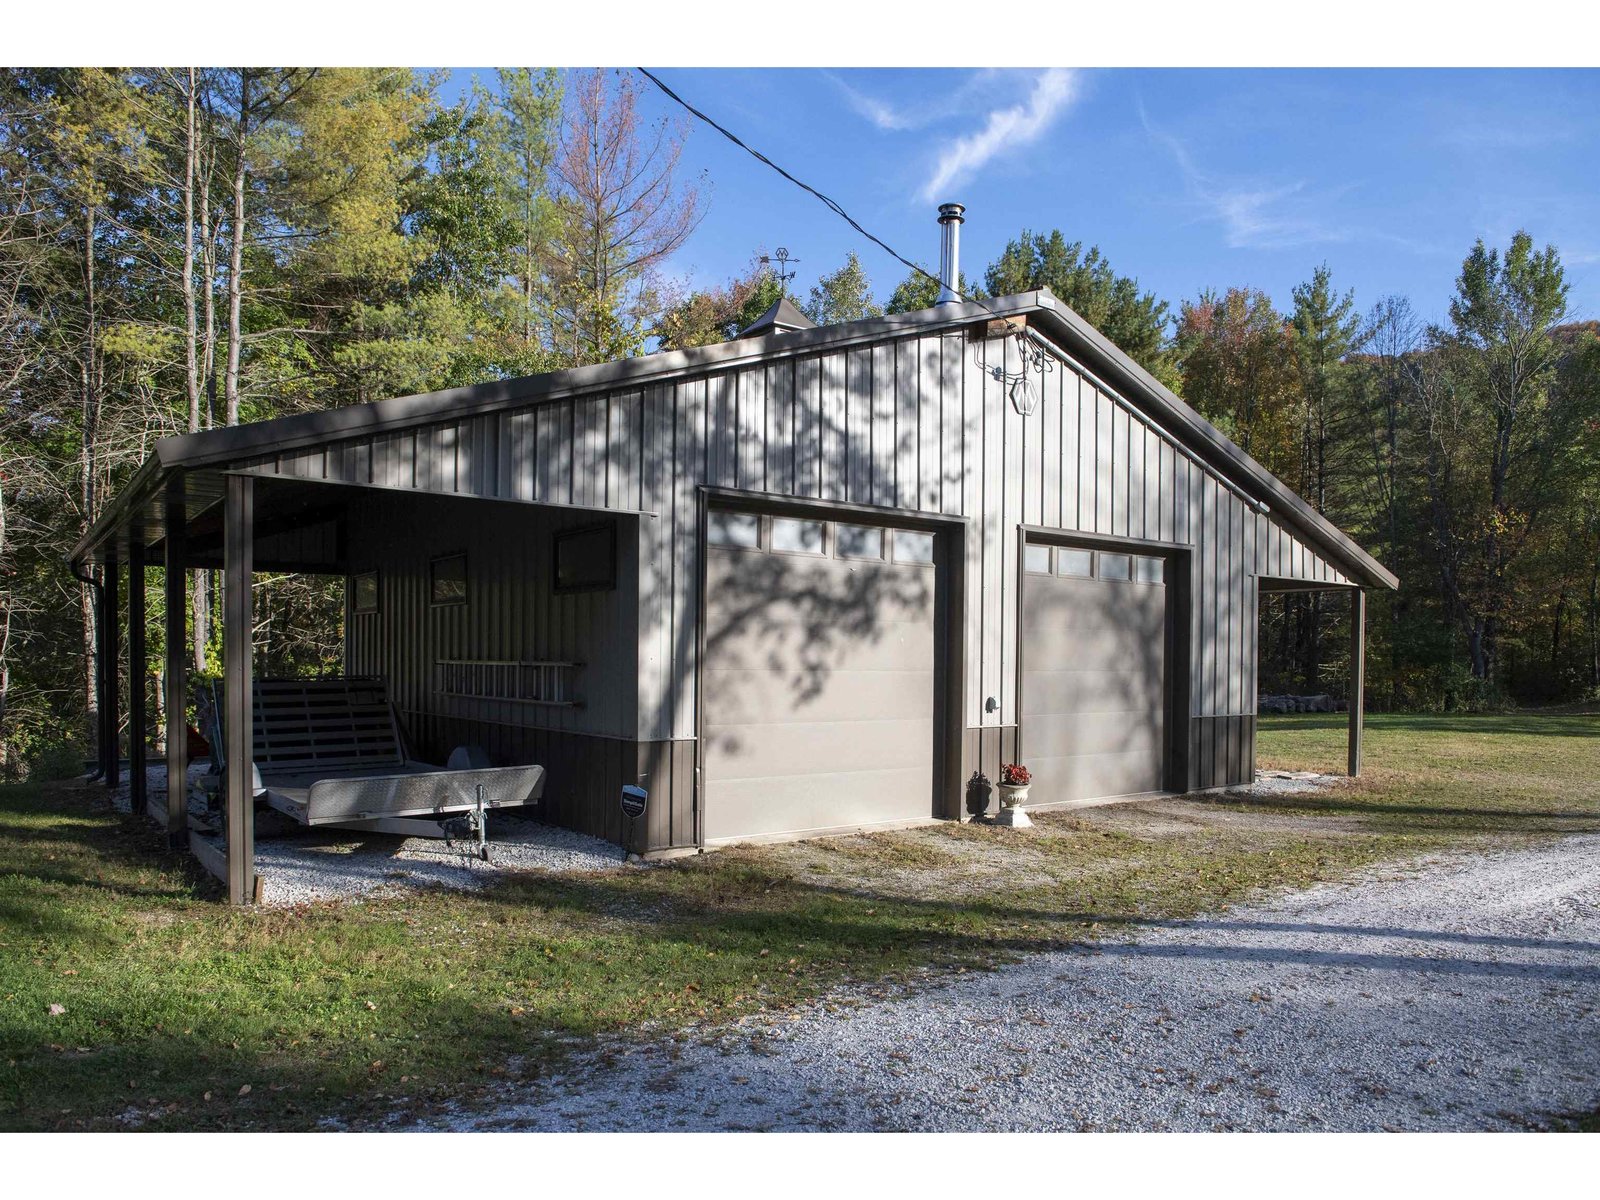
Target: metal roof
218, 448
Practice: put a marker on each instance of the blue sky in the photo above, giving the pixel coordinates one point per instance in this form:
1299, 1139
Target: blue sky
1185, 178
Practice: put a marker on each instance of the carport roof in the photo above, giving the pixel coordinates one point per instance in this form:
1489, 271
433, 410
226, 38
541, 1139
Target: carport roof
222, 449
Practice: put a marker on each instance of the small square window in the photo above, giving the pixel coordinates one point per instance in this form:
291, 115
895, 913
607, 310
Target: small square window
364, 592
796, 537
913, 546
859, 541
1036, 559
1074, 562
1149, 570
586, 559
447, 580
740, 530
1115, 566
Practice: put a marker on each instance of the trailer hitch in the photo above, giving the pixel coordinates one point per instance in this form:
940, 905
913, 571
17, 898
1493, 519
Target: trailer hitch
472, 825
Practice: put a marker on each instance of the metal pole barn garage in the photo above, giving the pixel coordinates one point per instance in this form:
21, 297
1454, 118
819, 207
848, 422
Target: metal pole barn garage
808, 580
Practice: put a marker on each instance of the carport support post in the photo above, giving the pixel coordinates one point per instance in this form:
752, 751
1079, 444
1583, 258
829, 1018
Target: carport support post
110, 751
176, 675
137, 799
238, 524
1358, 677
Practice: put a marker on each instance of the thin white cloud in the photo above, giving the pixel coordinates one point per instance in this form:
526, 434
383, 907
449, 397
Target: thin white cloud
938, 104
1006, 129
1252, 216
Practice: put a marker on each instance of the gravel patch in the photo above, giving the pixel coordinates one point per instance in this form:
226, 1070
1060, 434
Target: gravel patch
1287, 783
1455, 994
336, 865
302, 865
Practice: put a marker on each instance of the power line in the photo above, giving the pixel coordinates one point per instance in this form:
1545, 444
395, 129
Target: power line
804, 186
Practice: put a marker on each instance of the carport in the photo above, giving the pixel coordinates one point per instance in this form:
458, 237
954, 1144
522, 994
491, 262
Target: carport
467, 641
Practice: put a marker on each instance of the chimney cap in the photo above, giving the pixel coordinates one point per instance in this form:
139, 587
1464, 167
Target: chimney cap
951, 211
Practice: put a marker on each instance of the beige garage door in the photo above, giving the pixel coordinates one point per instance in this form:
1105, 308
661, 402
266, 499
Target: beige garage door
1094, 676
818, 680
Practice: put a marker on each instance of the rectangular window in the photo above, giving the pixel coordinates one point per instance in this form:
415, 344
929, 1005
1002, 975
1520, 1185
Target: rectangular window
1036, 559
859, 541
586, 559
1149, 570
1114, 566
364, 592
447, 580
793, 536
1074, 562
741, 530
913, 546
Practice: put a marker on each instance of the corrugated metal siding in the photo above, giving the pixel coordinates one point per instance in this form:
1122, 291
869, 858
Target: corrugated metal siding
916, 422
511, 614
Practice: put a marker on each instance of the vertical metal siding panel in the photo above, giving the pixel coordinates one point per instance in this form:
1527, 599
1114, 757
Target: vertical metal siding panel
930, 417
525, 455
1236, 622
780, 439
1103, 410
1031, 457
883, 409
1123, 466
691, 454
1208, 592
834, 433
1071, 466
1135, 477
954, 466
655, 492
1151, 484
1050, 450
588, 450
544, 451
907, 424
721, 470
1085, 459
752, 435
808, 427
858, 426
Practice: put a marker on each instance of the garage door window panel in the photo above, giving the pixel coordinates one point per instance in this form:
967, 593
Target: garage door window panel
736, 531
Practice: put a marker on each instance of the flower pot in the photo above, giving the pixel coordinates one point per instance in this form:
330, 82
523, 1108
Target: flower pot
1013, 794
1012, 797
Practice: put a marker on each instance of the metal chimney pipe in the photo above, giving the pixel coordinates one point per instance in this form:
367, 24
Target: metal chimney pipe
950, 222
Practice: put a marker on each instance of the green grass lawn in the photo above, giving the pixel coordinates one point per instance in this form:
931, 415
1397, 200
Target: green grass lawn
196, 1016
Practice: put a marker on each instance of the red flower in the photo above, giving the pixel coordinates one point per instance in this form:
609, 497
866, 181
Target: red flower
1015, 774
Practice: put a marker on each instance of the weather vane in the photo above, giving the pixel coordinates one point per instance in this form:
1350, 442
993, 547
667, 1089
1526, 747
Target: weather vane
781, 273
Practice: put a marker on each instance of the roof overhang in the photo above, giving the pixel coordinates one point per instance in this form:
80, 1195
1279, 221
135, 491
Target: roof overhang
224, 449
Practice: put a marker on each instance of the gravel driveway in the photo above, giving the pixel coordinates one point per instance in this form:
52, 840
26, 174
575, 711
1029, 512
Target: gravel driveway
1464, 994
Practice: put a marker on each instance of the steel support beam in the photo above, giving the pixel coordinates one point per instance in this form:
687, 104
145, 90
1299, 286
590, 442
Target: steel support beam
176, 674
237, 620
1358, 677
137, 799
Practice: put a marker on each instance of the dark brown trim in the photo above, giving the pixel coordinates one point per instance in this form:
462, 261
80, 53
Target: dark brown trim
1358, 676
110, 724
138, 800
237, 646
177, 616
